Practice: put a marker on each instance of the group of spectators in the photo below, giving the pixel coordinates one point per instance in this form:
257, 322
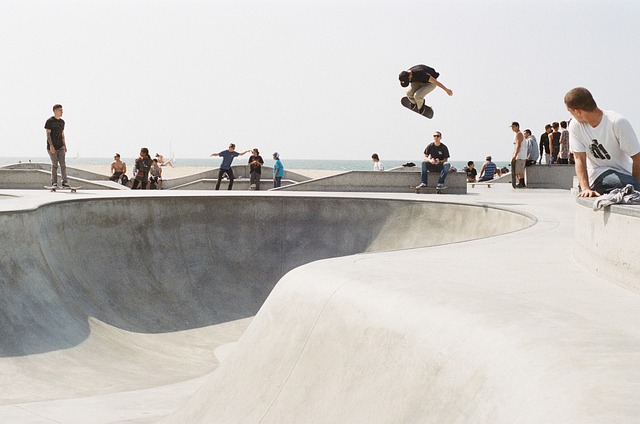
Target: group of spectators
255, 167
147, 172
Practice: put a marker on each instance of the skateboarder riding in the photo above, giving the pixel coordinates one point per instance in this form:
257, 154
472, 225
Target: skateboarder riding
423, 80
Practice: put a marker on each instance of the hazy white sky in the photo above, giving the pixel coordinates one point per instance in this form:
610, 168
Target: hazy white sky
311, 79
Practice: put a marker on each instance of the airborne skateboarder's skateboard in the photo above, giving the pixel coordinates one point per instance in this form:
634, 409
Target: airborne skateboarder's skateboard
54, 189
420, 190
428, 112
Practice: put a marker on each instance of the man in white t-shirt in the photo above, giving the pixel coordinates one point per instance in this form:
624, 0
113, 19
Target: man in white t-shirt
604, 145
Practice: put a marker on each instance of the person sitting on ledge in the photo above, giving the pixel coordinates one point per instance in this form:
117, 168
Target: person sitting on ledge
436, 157
488, 170
604, 145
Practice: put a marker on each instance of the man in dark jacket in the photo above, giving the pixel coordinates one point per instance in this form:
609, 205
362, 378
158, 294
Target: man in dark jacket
423, 80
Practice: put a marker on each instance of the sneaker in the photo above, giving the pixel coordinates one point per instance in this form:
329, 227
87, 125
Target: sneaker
439, 185
520, 185
54, 184
421, 185
65, 185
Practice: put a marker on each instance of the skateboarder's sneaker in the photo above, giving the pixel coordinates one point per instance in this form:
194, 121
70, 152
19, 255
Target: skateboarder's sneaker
54, 185
439, 186
65, 185
421, 185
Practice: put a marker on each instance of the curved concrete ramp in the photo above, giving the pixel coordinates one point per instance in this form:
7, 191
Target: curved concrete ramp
117, 292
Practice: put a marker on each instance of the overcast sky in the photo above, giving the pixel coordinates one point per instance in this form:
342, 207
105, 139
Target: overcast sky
311, 79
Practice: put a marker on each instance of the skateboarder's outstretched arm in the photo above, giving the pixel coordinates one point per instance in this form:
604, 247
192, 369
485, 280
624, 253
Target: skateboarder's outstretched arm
433, 80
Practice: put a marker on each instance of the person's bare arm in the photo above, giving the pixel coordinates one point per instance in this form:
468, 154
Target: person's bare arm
435, 81
519, 138
583, 177
50, 142
64, 142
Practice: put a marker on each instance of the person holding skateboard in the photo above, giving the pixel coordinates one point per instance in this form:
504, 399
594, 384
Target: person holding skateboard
604, 145
57, 146
423, 80
436, 157
225, 168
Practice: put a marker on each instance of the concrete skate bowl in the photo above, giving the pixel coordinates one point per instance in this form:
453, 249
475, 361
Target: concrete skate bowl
104, 295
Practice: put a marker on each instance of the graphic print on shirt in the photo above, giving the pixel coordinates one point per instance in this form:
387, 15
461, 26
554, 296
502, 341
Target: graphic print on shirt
599, 151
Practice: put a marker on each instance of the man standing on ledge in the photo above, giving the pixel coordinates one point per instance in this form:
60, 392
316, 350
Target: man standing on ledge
423, 80
56, 146
604, 145
436, 157
225, 168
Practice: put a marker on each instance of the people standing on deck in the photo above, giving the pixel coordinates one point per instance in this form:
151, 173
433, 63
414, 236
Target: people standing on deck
519, 156
57, 146
377, 165
554, 142
225, 168
255, 168
544, 145
278, 170
532, 148
563, 157
142, 167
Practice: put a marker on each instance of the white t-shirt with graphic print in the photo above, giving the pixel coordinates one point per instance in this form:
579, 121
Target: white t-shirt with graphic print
610, 145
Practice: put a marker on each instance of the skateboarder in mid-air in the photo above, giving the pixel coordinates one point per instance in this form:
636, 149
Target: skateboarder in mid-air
423, 80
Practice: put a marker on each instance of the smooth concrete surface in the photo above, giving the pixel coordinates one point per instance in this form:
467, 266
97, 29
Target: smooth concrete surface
607, 241
117, 307
508, 329
385, 182
110, 299
550, 176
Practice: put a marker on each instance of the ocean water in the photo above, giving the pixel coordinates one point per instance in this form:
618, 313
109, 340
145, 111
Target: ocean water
330, 165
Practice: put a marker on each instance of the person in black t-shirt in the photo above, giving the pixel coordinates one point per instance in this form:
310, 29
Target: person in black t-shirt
544, 145
255, 168
423, 80
56, 146
436, 157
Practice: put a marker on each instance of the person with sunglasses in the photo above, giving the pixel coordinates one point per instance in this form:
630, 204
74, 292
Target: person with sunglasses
436, 159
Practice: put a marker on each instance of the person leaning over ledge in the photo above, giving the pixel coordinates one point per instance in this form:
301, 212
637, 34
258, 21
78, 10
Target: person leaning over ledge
604, 145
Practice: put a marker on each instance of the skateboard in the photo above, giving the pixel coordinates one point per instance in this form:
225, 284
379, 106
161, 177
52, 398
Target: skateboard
428, 189
514, 179
54, 189
428, 112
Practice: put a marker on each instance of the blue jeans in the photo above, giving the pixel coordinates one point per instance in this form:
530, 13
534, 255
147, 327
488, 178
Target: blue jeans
611, 179
442, 168
277, 182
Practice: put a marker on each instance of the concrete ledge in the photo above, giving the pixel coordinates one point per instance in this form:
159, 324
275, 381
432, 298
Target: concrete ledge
551, 176
200, 181
607, 242
36, 179
372, 181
